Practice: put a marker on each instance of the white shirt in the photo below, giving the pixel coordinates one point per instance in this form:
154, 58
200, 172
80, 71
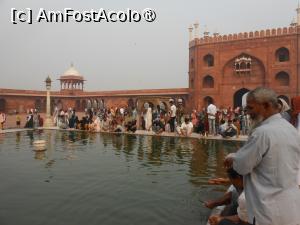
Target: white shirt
223, 127
242, 210
173, 111
188, 127
211, 110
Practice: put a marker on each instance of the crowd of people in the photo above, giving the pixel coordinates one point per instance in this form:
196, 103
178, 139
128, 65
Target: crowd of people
212, 120
225, 122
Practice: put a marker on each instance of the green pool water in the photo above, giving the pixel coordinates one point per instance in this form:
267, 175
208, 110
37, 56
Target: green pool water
108, 179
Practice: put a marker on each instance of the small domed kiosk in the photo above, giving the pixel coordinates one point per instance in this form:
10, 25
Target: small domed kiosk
71, 80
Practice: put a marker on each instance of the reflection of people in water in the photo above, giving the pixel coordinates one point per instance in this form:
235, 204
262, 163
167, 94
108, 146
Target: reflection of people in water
40, 155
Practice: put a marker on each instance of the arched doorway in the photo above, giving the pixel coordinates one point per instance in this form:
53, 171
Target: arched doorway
59, 105
238, 97
38, 105
130, 103
83, 105
77, 105
208, 100
2, 105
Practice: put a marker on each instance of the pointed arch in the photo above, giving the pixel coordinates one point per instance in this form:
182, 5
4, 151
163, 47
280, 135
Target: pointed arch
282, 54
208, 82
207, 100
282, 79
239, 96
208, 60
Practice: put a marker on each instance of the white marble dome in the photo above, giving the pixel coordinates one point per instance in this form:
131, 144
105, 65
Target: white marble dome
71, 72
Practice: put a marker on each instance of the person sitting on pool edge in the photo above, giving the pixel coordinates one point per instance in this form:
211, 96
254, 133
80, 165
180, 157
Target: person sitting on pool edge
230, 131
230, 197
186, 128
240, 217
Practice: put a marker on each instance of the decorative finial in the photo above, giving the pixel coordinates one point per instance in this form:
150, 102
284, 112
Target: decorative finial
216, 33
190, 33
197, 33
206, 32
294, 22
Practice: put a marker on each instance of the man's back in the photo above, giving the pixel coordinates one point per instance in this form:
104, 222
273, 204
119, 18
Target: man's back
270, 163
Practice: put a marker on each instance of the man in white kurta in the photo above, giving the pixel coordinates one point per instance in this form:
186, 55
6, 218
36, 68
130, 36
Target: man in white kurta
269, 162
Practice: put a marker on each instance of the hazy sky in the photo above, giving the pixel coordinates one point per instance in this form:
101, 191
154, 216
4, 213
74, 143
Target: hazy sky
115, 56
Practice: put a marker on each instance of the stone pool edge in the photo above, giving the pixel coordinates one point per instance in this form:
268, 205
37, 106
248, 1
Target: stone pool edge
138, 132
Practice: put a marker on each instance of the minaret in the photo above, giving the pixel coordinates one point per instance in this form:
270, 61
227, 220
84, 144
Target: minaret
197, 33
298, 14
190, 33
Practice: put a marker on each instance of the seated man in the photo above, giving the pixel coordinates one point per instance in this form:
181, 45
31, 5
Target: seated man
186, 128
230, 131
132, 126
158, 125
105, 125
223, 127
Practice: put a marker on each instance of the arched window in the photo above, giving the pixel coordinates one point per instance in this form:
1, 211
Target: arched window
192, 63
208, 60
192, 83
208, 82
282, 55
282, 79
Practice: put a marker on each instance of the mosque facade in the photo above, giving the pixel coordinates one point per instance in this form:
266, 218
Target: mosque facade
222, 68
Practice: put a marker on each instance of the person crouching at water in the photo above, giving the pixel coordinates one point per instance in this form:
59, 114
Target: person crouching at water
186, 128
230, 131
237, 214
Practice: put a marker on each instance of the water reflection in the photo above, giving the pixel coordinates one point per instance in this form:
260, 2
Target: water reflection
204, 158
145, 171
40, 155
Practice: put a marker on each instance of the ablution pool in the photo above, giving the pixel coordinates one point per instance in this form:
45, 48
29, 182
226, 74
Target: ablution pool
108, 179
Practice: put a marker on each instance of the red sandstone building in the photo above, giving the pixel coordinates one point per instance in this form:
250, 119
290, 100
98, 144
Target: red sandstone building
225, 67
221, 67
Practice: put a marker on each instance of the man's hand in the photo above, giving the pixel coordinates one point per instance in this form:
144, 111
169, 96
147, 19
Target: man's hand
215, 219
228, 162
209, 204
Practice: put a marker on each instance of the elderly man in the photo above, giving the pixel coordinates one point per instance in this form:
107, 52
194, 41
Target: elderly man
269, 162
